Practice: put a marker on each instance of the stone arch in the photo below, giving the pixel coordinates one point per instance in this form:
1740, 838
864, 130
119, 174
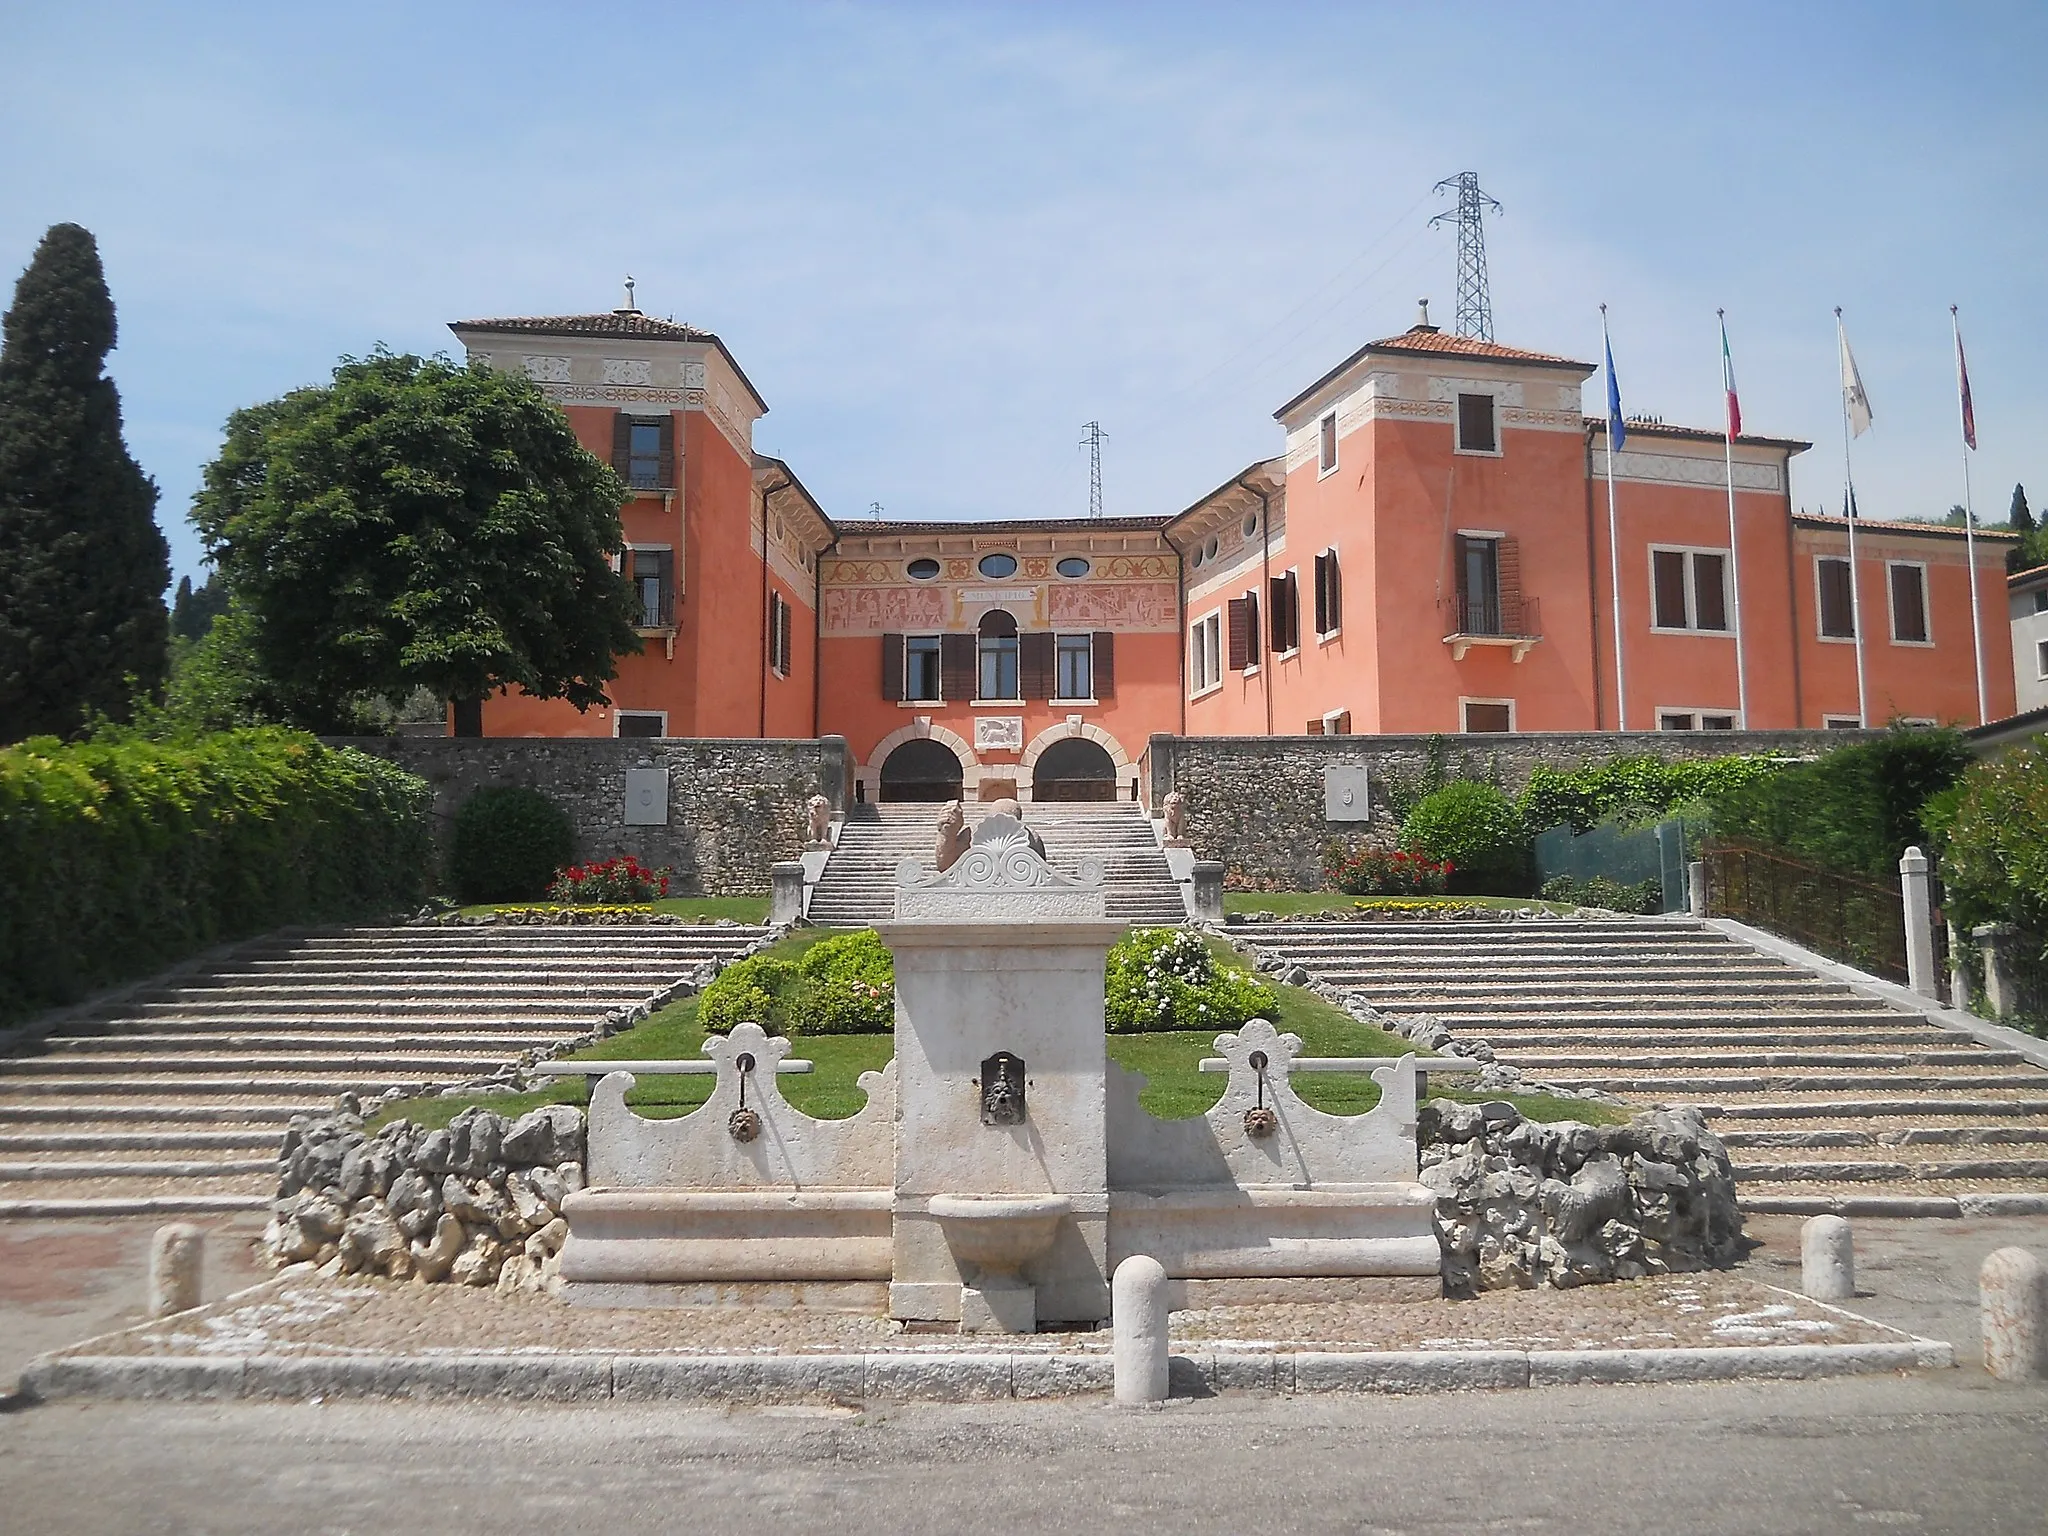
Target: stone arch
870, 773
1066, 730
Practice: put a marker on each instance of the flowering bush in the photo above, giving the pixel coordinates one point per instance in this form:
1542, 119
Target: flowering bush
1166, 978
613, 882
1373, 871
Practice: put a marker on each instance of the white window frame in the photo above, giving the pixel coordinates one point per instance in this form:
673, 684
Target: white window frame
1840, 723
1086, 636
675, 594
1327, 422
1819, 603
1205, 654
1696, 714
906, 702
1458, 424
2041, 659
1464, 700
619, 715
1692, 594
1891, 606
1325, 636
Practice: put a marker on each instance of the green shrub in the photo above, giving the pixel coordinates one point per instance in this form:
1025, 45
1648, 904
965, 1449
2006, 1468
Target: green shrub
1166, 978
844, 985
1634, 790
1643, 896
1993, 841
122, 855
1475, 829
508, 843
1855, 809
740, 996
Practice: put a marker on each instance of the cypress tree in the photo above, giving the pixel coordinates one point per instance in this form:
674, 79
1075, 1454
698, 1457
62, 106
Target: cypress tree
2021, 517
82, 563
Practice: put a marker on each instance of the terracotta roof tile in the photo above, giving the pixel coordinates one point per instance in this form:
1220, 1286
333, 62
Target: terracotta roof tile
1468, 346
611, 324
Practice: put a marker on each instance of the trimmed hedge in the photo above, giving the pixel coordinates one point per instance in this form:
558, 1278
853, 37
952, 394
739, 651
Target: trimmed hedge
122, 855
509, 844
1635, 790
1478, 831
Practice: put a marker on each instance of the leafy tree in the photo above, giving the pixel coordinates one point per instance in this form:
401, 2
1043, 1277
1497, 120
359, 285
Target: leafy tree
82, 563
418, 524
194, 609
2021, 517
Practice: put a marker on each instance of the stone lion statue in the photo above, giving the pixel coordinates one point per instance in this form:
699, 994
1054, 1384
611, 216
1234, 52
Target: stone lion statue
953, 837
817, 821
1175, 827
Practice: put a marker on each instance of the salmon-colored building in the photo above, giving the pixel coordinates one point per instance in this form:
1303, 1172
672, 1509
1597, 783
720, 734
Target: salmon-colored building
1433, 551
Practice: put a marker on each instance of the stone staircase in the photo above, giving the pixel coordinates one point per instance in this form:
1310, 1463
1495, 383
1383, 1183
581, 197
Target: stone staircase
1827, 1099
176, 1099
858, 886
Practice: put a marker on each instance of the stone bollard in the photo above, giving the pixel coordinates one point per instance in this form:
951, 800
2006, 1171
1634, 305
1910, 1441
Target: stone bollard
2012, 1290
1207, 891
1138, 1314
1915, 892
786, 891
176, 1256
1696, 887
1827, 1259
1994, 942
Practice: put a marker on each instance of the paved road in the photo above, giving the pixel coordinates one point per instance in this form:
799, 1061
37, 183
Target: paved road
1948, 1452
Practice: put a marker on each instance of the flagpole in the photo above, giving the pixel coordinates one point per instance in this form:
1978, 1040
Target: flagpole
1734, 543
1969, 514
1614, 542
1855, 586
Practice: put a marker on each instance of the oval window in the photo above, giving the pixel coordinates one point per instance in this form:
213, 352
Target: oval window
1197, 559
998, 566
923, 570
1209, 549
1251, 524
1073, 565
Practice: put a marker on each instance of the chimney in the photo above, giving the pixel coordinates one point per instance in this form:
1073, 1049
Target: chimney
629, 307
1422, 318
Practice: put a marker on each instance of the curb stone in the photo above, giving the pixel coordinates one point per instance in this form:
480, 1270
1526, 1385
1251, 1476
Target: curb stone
750, 1379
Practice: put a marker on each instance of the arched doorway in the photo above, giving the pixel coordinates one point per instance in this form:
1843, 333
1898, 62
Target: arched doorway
1073, 769
921, 769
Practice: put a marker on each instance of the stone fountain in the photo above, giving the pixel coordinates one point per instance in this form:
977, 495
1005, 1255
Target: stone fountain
1002, 1166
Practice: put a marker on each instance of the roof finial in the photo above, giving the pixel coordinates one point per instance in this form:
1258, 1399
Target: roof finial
629, 307
1422, 316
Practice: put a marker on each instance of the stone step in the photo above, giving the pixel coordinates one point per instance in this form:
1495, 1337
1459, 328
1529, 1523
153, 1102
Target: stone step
1741, 1082
2017, 1106
44, 1172
1591, 991
198, 1025
1889, 1171
1939, 1198
395, 974
129, 1041
165, 1089
146, 1199
1625, 1037
1463, 1021
1740, 1058
1866, 1135
144, 1112
528, 1015
152, 1139
16, 1070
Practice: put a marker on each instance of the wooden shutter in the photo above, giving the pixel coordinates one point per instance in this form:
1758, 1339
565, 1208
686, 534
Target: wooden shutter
1508, 573
782, 635
1334, 580
1240, 622
622, 445
666, 477
1276, 614
1314, 727
892, 667
956, 668
1322, 594
1104, 664
1034, 664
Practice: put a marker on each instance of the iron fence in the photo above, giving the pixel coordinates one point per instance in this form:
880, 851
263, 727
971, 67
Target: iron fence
1858, 922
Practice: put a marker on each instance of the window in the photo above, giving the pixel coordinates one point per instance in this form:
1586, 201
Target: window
1326, 436
921, 668
1475, 425
1837, 603
1251, 524
998, 650
1483, 715
1478, 585
1908, 584
1840, 723
2041, 600
638, 722
1205, 650
1329, 594
2041, 658
1283, 602
923, 570
643, 451
1689, 589
649, 571
1243, 614
1694, 720
778, 635
1073, 672
996, 567
1072, 566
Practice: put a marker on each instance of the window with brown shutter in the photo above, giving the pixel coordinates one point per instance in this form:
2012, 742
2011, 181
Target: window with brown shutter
1284, 602
665, 473
1034, 661
1239, 623
956, 666
1837, 604
1909, 603
1105, 664
622, 444
779, 635
892, 667
1329, 595
1667, 569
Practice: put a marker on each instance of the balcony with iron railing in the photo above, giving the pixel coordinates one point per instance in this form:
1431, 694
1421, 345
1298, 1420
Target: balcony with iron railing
655, 602
1506, 620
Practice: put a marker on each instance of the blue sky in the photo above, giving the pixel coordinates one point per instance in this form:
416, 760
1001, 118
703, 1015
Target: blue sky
941, 238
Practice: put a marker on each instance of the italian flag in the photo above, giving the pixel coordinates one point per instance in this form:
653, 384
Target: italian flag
1728, 386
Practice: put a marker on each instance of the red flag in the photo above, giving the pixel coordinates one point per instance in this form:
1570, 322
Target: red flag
1963, 384
1728, 386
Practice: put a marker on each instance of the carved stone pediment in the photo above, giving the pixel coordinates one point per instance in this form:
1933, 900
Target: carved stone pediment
1000, 877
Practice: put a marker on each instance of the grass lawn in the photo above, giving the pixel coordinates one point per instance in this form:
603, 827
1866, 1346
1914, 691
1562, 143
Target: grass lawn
1284, 902
701, 909
1174, 1088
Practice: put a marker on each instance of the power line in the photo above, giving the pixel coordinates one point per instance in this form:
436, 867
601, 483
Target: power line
1475, 305
1091, 439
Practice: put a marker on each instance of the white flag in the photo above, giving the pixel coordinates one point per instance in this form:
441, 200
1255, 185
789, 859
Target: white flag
1855, 403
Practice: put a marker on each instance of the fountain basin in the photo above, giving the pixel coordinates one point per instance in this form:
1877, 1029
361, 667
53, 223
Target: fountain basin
999, 1234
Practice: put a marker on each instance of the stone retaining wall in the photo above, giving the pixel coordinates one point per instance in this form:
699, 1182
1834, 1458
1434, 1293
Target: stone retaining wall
1256, 803
734, 806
